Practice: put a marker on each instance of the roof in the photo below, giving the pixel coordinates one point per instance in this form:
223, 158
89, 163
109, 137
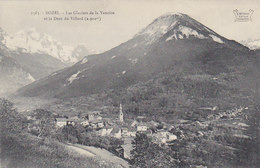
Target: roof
94, 112
132, 129
115, 130
96, 121
134, 121
141, 117
141, 125
74, 118
108, 127
153, 123
83, 121
61, 119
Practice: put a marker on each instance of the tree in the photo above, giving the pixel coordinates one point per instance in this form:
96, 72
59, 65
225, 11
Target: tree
147, 154
249, 152
139, 152
45, 121
10, 120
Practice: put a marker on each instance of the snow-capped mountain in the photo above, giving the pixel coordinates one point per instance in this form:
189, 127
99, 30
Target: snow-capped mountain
252, 44
28, 55
19, 67
172, 42
33, 42
180, 26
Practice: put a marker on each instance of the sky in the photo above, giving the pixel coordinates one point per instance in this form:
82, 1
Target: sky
130, 16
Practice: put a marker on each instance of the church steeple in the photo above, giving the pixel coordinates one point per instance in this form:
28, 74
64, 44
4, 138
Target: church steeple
121, 115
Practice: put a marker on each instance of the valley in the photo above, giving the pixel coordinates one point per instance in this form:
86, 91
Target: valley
177, 94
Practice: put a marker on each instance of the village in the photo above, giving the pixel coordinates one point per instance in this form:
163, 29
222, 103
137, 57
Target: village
125, 129
118, 128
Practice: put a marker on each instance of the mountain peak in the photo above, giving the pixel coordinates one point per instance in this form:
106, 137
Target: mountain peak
171, 14
161, 25
32, 41
177, 26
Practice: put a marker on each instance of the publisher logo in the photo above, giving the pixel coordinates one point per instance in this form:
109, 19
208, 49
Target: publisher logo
243, 16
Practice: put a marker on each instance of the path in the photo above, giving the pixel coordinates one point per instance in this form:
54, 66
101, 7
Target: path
91, 151
81, 151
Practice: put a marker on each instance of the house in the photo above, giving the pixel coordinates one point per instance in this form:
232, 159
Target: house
98, 117
152, 124
124, 131
171, 137
134, 123
164, 137
61, 122
132, 133
129, 132
149, 133
96, 123
209, 108
75, 118
93, 115
84, 123
141, 128
140, 118
93, 125
71, 121
116, 133
100, 124
105, 131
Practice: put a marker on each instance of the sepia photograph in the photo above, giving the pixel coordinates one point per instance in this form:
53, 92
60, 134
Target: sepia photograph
129, 84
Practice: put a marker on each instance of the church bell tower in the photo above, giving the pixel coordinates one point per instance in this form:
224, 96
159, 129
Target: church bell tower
121, 115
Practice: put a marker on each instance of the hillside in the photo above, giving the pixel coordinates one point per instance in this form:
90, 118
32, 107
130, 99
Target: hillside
172, 42
20, 149
12, 75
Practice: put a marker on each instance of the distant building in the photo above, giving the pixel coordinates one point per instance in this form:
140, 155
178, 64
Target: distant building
71, 122
84, 123
116, 133
75, 118
93, 115
121, 115
140, 118
106, 131
131, 132
141, 128
134, 123
124, 131
61, 122
209, 108
100, 124
164, 137
96, 123
149, 132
